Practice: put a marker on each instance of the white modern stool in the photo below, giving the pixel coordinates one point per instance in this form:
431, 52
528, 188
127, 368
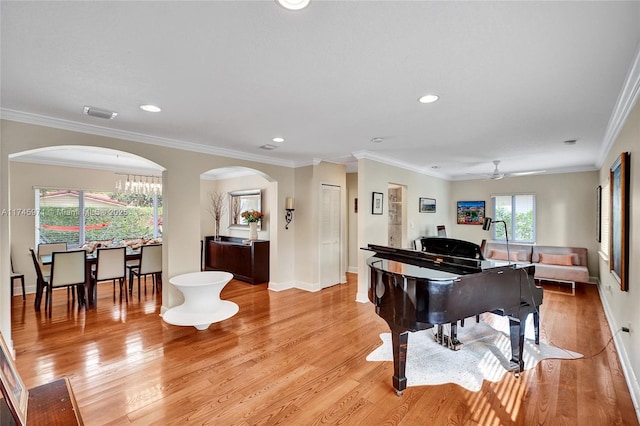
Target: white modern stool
202, 305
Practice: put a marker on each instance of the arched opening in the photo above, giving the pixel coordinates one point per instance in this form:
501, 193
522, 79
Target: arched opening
79, 195
227, 195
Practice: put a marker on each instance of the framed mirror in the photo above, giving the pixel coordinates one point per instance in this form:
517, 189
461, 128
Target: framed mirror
240, 201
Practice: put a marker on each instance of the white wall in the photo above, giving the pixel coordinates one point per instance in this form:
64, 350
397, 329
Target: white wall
621, 307
565, 208
352, 221
373, 229
305, 221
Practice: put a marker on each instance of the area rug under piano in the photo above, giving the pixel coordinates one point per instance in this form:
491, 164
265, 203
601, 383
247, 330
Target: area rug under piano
484, 355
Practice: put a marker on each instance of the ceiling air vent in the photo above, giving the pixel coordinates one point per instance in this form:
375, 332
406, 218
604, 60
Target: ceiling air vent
268, 147
100, 113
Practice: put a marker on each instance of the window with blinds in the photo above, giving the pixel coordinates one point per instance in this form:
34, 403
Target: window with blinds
605, 214
518, 211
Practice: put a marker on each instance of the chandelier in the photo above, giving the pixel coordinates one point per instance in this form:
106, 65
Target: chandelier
139, 185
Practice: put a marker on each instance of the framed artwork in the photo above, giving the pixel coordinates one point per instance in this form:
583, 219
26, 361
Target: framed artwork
376, 203
599, 213
470, 212
619, 222
427, 205
13, 390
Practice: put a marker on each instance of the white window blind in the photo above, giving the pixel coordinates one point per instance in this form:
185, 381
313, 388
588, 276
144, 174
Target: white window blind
605, 218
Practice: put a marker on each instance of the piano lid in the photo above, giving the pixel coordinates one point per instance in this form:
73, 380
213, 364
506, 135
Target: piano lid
455, 256
409, 270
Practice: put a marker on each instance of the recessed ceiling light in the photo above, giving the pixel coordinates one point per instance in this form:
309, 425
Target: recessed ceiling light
278, 140
570, 142
427, 99
150, 108
293, 4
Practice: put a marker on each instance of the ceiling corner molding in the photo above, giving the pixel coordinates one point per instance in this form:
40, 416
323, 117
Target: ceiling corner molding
368, 155
626, 100
41, 120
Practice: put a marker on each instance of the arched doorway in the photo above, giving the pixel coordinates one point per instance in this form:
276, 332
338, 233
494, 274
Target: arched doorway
228, 191
73, 180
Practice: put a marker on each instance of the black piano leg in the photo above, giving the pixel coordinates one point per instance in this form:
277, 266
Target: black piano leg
453, 342
536, 326
516, 332
399, 340
450, 341
440, 334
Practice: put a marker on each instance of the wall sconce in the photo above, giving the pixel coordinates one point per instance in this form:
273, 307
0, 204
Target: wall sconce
289, 208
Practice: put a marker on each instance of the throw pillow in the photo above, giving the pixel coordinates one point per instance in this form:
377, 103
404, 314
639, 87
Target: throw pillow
502, 255
556, 259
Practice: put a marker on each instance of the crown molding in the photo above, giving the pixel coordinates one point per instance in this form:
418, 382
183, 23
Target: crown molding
22, 117
91, 166
400, 164
626, 100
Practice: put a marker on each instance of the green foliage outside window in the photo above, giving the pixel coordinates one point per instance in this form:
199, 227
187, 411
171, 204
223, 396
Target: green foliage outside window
524, 226
114, 224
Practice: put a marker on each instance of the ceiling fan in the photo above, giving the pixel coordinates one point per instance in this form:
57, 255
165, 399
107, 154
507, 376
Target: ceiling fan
497, 174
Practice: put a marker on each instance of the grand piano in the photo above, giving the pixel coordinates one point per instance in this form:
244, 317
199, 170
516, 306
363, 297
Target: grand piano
446, 282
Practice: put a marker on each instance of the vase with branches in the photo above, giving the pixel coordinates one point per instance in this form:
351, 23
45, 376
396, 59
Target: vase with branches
217, 208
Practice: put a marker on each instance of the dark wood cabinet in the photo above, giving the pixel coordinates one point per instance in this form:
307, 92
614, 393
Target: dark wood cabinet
247, 262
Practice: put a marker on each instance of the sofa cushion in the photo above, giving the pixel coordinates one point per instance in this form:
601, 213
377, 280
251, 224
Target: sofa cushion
579, 254
503, 255
559, 259
517, 252
561, 273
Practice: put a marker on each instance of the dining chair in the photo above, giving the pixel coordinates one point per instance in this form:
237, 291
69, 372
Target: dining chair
150, 264
110, 266
17, 276
42, 281
68, 269
46, 249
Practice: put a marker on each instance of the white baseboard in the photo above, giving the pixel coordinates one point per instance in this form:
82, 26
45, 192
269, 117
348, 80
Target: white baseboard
273, 286
362, 297
629, 375
312, 287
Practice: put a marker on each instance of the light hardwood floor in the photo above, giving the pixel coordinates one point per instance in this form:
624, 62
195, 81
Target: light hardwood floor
298, 358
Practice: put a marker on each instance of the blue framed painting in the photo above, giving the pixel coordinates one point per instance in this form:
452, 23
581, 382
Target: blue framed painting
470, 212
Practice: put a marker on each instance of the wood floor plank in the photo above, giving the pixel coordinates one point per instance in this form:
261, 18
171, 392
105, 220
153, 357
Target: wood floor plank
298, 358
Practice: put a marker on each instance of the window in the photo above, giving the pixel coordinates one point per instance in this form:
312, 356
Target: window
105, 216
519, 214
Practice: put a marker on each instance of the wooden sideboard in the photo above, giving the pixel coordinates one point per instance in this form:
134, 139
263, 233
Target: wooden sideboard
247, 262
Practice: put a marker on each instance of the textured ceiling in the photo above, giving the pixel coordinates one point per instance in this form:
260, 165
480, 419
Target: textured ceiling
515, 79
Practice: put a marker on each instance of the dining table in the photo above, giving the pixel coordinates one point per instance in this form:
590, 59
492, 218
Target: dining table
92, 259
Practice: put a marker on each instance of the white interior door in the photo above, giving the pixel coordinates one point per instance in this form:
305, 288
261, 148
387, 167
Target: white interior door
330, 236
